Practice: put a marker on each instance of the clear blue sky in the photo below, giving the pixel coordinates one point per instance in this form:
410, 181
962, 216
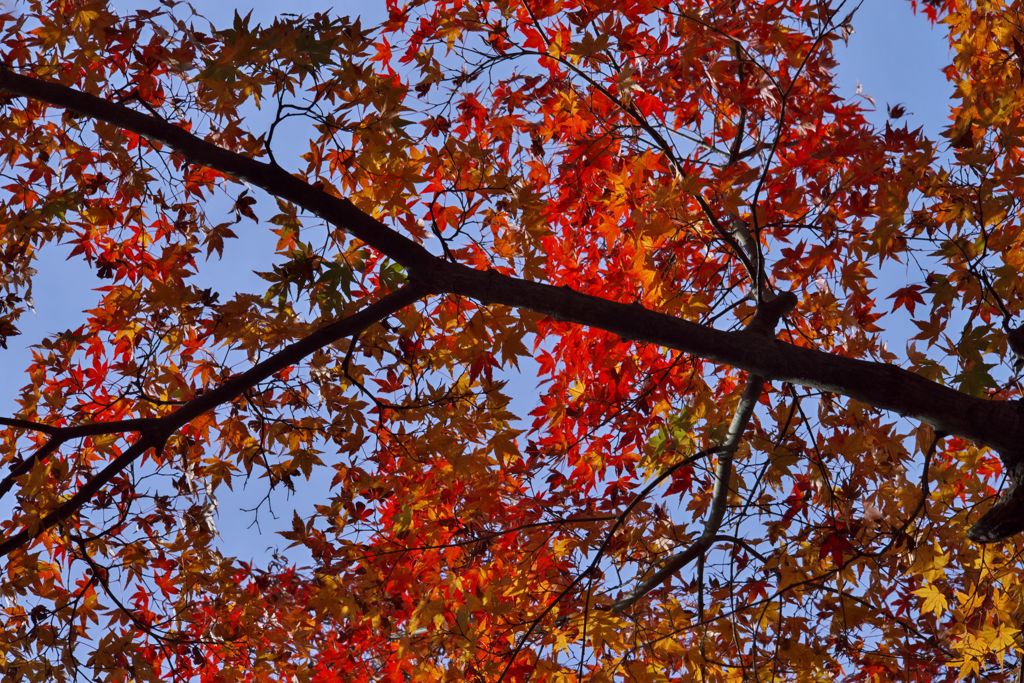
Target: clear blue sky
894, 55
897, 57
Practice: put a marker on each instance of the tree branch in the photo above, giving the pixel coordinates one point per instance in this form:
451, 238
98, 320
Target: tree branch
269, 177
60, 435
162, 428
599, 554
763, 324
999, 424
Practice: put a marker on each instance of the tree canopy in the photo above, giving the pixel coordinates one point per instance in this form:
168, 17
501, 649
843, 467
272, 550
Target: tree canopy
776, 432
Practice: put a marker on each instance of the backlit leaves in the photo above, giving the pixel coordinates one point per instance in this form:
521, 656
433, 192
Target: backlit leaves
457, 489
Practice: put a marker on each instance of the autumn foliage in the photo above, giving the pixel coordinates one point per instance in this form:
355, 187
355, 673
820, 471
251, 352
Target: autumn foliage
591, 341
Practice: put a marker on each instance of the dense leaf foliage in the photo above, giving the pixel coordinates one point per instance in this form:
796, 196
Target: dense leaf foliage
598, 341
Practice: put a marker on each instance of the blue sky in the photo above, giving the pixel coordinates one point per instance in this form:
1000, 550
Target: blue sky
893, 55
897, 57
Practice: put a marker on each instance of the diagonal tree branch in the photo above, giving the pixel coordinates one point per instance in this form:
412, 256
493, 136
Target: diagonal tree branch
719, 499
267, 176
763, 324
620, 519
59, 436
160, 429
999, 424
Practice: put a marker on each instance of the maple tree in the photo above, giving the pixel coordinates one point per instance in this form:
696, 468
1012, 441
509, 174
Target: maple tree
663, 211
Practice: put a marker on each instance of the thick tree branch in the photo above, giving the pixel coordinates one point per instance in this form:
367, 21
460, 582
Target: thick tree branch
160, 429
999, 424
77, 431
29, 425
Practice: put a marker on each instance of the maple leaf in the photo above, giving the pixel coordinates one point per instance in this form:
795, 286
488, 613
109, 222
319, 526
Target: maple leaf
907, 297
934, 600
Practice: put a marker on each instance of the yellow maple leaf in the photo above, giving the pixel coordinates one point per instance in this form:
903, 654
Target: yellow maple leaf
934, 600
968, 667
1000, 639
